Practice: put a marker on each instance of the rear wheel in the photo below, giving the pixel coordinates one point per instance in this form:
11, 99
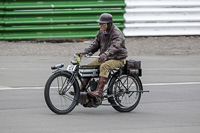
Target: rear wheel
125, 92
57, 95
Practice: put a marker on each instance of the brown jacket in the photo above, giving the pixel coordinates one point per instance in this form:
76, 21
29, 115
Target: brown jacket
111, 43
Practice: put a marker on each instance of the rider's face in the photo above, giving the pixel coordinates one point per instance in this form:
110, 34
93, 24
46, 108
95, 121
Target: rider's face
103, 27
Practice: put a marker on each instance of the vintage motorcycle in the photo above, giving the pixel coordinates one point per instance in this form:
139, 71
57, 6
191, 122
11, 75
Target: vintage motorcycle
123, 90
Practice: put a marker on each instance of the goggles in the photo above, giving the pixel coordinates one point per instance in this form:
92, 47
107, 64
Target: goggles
102, 25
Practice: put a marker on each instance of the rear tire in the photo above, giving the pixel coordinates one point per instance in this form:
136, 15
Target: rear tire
58, 101
126, 91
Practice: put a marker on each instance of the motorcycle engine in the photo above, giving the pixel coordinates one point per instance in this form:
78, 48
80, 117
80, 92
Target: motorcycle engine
85, 99
93, 85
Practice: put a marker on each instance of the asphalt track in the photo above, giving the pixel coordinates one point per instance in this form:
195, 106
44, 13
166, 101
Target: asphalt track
172, 106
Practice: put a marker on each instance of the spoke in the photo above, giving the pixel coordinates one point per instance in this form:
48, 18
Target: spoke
60, 101
118, 86
68, 97
54, 89
131, 94
62, 80
130, 85
71, 80
123, 100
123, 84
119, 80
127, 81
64, 83
58, 83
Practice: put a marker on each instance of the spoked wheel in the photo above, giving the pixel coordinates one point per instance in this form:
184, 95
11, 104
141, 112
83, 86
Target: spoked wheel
57, 94
126, 93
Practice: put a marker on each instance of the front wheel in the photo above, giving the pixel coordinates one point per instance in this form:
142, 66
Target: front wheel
57, 95
125, 93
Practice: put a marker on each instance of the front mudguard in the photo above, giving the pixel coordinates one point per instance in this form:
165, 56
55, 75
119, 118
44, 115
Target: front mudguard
61, 71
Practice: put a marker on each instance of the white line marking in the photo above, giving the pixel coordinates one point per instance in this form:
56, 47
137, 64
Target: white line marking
183, 83
21, 88
150, 84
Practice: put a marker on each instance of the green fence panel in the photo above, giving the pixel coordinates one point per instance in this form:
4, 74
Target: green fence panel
56, 19
1, 19
48, 34
50, 4
22, 19
52, 31
61, 11
55, 27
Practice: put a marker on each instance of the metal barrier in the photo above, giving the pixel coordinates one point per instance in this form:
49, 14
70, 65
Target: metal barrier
162, 17
24, 19
32, 19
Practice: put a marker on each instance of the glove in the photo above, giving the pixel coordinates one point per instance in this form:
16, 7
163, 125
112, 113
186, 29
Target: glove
81, 53
103, 58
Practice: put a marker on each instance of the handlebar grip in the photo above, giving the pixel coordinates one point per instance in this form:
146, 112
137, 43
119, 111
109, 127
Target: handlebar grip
57, 66
90, 53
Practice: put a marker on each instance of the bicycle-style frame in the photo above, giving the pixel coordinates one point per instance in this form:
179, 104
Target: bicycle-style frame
119, 87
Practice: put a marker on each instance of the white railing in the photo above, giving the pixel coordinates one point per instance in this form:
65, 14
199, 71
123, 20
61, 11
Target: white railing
162, 17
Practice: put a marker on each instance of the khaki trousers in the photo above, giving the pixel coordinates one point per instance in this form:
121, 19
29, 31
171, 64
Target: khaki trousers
107, 66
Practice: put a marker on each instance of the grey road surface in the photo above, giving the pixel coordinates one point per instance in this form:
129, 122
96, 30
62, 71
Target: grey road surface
172, 106
17, 71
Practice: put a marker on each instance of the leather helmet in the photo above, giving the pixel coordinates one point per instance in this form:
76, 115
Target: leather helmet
105, 18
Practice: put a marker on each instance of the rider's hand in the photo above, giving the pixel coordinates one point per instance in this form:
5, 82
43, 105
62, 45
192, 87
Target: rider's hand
81, 53
103, 58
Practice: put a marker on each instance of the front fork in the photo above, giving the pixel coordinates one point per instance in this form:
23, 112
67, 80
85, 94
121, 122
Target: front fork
69, 83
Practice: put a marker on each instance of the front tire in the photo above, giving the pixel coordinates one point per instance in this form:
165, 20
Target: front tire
57, 95
125, 92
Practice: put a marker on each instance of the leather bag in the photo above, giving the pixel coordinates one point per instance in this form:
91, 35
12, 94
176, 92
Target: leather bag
133, 67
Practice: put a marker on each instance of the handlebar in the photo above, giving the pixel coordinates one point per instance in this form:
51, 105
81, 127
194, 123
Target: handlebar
88, 56
77, 58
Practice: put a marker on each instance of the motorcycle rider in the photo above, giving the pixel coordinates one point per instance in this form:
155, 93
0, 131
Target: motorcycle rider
113, 52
